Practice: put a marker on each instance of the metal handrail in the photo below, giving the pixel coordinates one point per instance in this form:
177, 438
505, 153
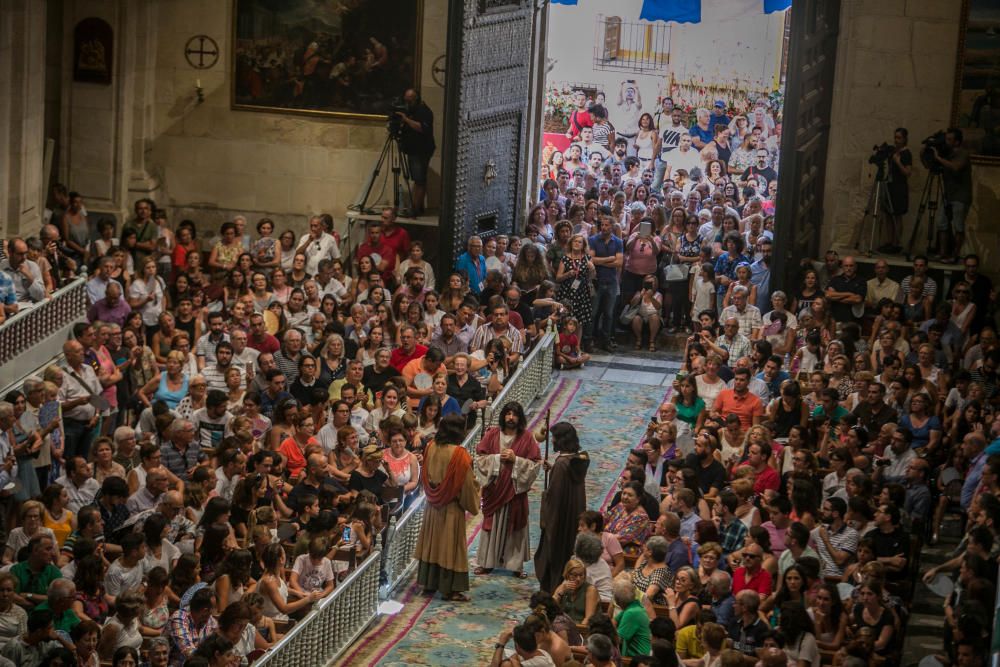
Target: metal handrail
34, 322
401, 544
337, 621
525, 385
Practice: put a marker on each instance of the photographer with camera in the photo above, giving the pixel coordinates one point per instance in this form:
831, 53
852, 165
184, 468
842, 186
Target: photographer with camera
416, 141
956, 169
900, 168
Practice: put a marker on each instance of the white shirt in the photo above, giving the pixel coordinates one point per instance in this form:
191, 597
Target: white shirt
79, 496
325, 248
224, 486
5, 450
686, 161
140, 289
73, 388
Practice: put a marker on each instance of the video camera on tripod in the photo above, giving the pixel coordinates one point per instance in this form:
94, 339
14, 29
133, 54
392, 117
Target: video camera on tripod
881, 154
395, 125
936, 140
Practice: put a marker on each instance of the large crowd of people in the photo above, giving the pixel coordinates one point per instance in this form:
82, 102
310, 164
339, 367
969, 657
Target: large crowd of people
239, 415
816, 438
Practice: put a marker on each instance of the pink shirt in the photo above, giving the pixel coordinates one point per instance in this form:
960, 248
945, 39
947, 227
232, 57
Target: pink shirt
611, 548
641, 258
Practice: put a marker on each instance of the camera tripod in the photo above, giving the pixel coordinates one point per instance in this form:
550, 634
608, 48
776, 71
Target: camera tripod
400, 169
932, 193
879, 203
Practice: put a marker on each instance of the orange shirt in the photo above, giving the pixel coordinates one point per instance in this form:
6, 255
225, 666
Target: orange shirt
745, 407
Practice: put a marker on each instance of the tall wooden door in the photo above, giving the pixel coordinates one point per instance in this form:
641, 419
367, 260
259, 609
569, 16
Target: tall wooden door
486, 114
806, 131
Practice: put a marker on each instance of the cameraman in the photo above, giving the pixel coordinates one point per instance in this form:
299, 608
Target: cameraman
900, 168
957, 179
416, 141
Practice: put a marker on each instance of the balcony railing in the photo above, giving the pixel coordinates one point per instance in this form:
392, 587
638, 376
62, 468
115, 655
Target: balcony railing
33, 323
631, 47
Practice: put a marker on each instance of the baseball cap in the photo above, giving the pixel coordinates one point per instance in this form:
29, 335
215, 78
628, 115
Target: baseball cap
720, 103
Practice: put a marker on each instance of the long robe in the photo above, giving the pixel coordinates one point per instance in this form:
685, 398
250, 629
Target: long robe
441, 546
504, 540
562, 504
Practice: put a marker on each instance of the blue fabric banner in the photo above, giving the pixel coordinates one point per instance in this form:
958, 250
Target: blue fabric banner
771, 6
680, 11
563, 2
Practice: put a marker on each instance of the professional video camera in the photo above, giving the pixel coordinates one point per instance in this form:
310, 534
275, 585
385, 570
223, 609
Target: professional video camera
936, 140
395, 125
881, 154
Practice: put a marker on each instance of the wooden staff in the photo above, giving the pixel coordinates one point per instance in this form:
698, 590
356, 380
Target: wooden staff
545, 466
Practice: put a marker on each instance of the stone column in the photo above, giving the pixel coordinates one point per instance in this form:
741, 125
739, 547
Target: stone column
22, 117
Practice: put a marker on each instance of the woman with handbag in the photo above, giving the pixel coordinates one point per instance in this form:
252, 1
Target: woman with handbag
687, 252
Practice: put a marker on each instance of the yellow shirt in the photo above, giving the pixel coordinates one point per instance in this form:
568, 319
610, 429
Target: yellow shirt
688, 644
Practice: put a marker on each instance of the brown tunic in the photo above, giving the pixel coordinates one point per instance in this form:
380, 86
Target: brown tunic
442, 540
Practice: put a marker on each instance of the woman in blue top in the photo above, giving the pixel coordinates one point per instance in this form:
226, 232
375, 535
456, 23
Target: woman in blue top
449, 406
725, 265
925, 427
169, 386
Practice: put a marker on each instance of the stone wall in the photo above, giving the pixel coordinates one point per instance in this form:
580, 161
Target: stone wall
211, 160
22, 119
896, 67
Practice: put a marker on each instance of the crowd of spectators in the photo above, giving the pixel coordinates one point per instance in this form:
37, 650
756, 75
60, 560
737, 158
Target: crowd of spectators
815, 440
233, 424
231, 428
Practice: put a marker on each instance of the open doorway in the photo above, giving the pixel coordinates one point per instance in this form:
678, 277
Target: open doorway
648, 102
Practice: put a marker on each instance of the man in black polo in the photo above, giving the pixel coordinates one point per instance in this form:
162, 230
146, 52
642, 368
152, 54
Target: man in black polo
891, 543
873, 413
845, 291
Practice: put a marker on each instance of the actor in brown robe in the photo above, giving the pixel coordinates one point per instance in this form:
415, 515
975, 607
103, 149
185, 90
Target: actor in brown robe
451, 490
563, 501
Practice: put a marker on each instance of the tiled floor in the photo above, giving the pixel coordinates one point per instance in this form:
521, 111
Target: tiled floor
634, 367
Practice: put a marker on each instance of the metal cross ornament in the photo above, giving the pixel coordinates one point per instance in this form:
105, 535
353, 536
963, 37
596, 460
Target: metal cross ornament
201, 52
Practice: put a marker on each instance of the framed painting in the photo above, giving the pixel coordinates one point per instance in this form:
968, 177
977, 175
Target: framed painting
336, 58
976, 101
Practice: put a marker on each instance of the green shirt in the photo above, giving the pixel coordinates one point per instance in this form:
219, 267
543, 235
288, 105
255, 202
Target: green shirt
66, 622
689, 413
29, 582
633, 629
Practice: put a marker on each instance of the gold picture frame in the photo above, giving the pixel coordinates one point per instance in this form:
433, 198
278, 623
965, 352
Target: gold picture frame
975, 105
349, 61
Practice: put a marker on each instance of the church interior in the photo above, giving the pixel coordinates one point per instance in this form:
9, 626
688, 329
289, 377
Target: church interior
499, 332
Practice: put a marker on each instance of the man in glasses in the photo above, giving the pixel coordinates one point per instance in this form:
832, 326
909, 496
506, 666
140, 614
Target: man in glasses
761, 168
751, 574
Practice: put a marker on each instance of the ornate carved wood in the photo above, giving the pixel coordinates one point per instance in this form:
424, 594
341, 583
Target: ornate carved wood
488, 83
808, 99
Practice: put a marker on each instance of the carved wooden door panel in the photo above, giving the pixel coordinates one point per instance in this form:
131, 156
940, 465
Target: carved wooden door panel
488, 83
806, 130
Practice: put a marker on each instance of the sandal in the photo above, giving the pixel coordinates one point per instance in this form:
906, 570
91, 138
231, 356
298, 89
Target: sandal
520, 574
638, 345
457, 597
652, 347
482, 570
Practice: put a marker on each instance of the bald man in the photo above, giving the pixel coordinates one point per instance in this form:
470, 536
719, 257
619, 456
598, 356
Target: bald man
77, 394
24, 275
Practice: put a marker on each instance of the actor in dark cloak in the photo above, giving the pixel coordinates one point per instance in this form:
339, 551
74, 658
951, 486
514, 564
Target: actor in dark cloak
563, 501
